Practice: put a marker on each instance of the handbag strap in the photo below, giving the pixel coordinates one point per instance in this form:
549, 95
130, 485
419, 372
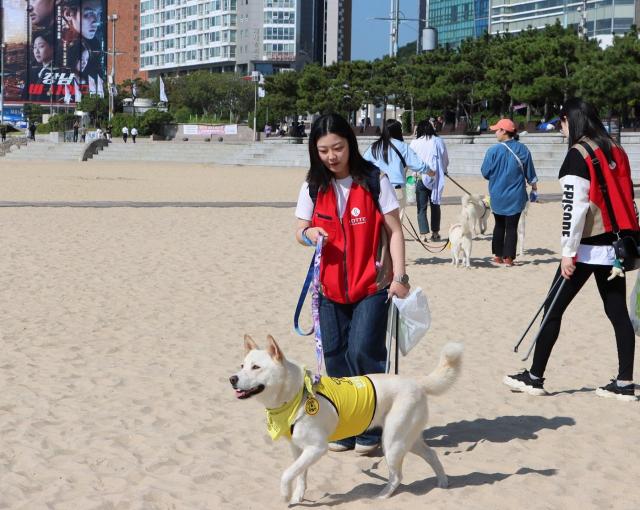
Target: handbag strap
602, 183
402, 160
520, 164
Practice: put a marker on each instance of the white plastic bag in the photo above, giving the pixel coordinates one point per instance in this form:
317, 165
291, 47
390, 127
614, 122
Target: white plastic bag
415, 319
634, 306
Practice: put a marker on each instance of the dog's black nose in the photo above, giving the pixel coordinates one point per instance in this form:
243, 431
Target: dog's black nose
233, 380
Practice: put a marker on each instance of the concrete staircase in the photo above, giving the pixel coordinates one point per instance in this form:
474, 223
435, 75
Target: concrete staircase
465, 153
47, 151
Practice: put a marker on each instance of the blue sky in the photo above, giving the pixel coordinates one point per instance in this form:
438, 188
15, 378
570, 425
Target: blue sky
370, 38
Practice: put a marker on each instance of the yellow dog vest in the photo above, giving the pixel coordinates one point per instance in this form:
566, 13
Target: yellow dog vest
354, 399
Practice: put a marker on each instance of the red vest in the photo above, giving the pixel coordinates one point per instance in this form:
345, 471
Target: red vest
350, 268
620, 188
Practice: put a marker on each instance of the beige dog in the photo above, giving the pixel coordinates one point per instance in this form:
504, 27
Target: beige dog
478, 210
461, 239
400, 408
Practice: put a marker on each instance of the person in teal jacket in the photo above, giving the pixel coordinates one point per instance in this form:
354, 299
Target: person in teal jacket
508, 167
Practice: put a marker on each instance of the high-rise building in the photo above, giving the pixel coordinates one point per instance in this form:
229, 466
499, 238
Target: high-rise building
602, 18
127, 39
242, 35
457, 20
183, 35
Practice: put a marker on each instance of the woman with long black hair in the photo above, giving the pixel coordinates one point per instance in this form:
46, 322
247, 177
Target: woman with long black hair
348, 201
588, 232
432, 150
393, 156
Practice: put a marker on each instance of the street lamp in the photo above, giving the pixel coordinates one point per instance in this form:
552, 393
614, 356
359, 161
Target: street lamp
112, 78
255, 78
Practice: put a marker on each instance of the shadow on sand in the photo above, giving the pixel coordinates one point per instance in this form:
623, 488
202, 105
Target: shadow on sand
499, 430
419, 487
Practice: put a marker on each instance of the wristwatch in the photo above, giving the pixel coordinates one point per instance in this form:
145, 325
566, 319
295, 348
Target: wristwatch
403, 279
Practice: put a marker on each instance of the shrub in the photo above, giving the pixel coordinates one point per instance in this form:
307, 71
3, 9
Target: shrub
153, 122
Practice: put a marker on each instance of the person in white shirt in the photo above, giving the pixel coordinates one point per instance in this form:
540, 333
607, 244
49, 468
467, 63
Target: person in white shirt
432, 150
348, 201
134, 133
125, 133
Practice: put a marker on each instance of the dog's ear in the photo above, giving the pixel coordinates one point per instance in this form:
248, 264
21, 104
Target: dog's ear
249, 344
274, 350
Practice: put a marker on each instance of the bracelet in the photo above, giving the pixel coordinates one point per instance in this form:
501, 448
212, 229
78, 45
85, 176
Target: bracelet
304, 237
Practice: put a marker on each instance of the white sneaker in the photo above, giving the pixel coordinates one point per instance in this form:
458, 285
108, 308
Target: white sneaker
339, 447
366, 449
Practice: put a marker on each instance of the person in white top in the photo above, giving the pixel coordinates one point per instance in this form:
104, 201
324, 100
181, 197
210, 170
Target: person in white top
134, 133
432, 150
125, 133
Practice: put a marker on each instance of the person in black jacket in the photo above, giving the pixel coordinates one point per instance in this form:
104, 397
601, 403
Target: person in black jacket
588, 232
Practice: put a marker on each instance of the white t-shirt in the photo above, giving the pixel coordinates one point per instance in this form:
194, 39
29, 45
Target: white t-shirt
125, 130
134, 131
387, 199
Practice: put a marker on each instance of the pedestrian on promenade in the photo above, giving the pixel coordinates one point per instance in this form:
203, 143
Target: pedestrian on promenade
588, 231
76, 129
134, 134
508, 167
432, 150
347, 200
125, 133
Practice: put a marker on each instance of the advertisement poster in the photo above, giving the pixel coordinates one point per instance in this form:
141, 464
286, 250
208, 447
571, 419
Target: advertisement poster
55, 50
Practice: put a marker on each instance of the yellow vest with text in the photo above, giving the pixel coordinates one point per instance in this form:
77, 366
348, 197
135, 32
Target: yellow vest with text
354, 399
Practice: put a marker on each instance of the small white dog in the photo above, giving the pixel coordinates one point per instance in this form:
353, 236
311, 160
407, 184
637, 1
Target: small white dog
478, 210
461, 239
400, 405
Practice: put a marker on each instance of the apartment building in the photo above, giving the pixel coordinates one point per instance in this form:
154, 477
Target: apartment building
126, 37
178, 36
602, 18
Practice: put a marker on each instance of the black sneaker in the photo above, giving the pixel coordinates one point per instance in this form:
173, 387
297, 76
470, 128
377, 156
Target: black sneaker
522, 382
612, 390
436, 237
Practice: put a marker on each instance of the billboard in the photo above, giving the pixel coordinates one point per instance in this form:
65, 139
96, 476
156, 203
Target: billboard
55, 50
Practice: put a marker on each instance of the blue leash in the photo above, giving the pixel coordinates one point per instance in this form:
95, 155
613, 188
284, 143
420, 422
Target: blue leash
303, 295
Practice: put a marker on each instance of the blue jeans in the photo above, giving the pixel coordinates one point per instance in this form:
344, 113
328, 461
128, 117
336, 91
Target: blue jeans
423, 199
353, 340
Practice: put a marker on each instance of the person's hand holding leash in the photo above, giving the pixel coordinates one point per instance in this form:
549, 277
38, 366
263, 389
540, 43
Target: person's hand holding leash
312, 233
567, 267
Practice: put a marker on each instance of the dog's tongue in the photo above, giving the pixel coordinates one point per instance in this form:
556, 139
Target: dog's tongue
241, 393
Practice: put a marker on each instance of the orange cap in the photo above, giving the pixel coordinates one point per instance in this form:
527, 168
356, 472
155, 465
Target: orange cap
506, 124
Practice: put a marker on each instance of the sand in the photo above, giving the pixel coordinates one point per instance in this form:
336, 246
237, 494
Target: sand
121, 325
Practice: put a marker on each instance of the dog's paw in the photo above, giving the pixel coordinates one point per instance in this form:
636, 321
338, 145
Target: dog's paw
443, 482
298, 495
285, 492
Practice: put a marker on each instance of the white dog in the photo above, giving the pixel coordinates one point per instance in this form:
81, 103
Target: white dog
478, 210
400, 405
461, 238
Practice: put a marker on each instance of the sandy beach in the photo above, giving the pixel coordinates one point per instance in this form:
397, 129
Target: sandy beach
121, 325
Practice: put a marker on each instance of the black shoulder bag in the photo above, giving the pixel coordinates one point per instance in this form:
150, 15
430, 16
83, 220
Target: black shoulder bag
625, 247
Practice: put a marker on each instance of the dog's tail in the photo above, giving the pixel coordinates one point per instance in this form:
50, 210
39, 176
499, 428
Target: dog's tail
466, 198
446, 372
